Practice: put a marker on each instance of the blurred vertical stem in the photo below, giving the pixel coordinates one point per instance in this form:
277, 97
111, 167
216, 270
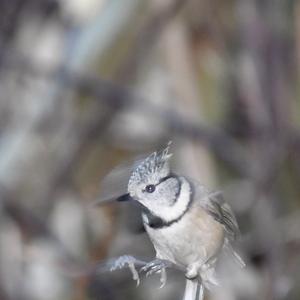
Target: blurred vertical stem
262, 85
188, 102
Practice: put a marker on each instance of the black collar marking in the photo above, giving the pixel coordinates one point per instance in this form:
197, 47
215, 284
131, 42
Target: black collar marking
179, 190
156, 222
171, 175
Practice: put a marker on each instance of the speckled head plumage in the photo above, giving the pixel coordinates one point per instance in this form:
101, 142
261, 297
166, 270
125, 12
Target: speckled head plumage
150, 170
163, 194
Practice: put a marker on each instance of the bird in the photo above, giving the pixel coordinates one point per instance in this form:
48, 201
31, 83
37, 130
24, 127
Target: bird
188, 225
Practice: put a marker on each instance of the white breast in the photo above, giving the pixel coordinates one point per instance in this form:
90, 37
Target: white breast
196, 237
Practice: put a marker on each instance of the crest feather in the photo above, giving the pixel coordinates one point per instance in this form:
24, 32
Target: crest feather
153, 164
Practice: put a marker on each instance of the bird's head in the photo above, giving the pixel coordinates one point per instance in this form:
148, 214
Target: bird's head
152, 183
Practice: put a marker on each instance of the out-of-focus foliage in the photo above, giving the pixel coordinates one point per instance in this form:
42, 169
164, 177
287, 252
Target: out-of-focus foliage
88, 84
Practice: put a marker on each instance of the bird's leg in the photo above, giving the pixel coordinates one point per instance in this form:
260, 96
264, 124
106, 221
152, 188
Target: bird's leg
192, 271
158, 266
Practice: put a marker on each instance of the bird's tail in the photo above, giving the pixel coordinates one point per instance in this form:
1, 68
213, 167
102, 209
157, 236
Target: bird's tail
235, 255
194, 290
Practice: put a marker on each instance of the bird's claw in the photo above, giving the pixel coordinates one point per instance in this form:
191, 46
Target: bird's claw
126, 261
157, 266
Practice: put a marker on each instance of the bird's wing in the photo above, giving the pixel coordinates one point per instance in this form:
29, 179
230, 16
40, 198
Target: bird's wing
114, 184
215, 205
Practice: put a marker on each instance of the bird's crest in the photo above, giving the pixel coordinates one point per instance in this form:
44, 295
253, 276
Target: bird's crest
155, 163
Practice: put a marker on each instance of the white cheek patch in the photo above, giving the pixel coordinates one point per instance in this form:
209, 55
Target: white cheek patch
169, 213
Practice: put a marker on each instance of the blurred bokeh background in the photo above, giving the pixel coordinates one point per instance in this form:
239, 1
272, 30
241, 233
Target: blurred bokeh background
88, 84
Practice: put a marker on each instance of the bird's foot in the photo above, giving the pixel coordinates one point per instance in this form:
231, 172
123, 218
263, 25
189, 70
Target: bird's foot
157, 266
126, 261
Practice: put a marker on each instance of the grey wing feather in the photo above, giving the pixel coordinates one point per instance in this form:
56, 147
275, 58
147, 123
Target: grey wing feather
215, 205
115, 183
223, 213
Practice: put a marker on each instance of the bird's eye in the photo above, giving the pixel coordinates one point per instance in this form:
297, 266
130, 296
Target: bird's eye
150, 188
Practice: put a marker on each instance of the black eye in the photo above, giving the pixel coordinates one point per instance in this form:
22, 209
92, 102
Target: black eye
150, 188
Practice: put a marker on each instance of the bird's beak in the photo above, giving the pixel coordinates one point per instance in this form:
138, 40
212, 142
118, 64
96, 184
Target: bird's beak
125, 197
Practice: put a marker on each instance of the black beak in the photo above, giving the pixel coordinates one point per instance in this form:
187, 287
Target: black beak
125, 197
